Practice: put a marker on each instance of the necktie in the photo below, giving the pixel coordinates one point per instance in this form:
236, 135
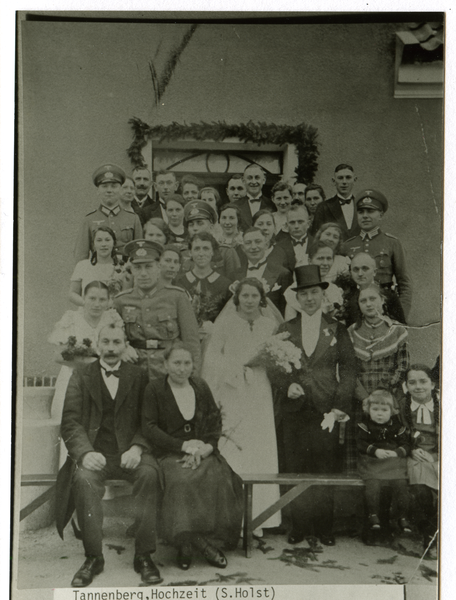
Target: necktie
252, 200
346, 201
109, 373
257, 266
298, 242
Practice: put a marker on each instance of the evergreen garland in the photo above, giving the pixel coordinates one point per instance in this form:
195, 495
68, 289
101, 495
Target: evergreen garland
303, 136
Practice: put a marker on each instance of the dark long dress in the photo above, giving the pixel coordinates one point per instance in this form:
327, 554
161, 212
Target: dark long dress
209, 499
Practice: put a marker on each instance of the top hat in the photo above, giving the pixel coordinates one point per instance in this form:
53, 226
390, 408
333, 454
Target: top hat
197, 209
308, 276
140, 251
371, 199
108, 174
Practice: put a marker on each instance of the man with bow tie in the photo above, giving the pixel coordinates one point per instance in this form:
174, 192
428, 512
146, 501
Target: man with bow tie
262, 267
101, 428
313, 401
296, 241
340, 208
126, 225
254, 180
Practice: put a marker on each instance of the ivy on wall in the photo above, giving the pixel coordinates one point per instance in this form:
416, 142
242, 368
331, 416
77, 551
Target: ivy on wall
303, 136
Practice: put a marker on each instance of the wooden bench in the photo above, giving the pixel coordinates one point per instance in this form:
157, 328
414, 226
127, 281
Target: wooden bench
49, 480
300, 483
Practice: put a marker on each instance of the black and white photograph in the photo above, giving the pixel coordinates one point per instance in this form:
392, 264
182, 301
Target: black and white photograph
229, 236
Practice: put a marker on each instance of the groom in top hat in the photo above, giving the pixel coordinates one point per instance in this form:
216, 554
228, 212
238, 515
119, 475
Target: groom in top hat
316, 399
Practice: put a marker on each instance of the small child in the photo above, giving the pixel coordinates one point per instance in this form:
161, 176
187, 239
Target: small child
383, 445
420, 409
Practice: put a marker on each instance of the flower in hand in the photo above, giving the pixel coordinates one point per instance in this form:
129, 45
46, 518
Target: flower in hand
193, 460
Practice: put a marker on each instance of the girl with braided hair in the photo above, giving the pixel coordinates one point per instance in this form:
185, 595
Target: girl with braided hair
420, 411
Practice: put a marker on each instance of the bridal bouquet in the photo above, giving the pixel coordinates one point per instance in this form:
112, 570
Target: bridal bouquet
74, 351
278, 356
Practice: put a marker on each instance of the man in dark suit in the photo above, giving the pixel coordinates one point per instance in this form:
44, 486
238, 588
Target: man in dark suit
101, 428
258, 265
313, 400
143, 189
165, 185
296, 242
341, 207
254, 180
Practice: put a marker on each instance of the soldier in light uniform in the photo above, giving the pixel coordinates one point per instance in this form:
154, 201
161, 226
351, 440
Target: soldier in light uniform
154, 316
384, 247
125, 223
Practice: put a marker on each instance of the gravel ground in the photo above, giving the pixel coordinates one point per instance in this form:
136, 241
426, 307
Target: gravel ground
46, 562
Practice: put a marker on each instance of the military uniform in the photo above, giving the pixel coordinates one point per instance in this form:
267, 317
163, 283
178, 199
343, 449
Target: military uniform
154, 319
125, 224
389, 256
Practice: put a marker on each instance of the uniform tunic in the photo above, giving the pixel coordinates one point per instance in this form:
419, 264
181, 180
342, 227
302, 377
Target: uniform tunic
156, 318
125, 224
389, 256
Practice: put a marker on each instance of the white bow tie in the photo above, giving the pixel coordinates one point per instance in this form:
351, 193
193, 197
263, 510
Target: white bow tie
423, 411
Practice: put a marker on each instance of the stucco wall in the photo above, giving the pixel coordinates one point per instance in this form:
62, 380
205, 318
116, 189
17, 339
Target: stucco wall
83, 81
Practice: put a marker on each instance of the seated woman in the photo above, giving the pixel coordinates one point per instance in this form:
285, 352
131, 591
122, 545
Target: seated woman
322, 255
202, 496
156, 230
175, 211
244, 394
264, 220
332, 235
420, 410
99, 267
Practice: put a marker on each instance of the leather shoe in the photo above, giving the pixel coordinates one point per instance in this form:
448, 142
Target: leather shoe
328, 540
295, 537
149, 573
184, 557
93, 565
214, 557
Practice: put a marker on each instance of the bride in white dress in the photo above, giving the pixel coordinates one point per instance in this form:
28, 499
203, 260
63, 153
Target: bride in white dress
248, 441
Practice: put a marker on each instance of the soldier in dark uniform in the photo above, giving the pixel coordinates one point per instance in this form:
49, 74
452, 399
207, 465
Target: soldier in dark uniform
155, 315
385, 248
108, 180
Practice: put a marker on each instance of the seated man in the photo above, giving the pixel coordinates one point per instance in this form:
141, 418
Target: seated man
392, 273
101, 428
296, 241
260, 266
341, 207
254, 180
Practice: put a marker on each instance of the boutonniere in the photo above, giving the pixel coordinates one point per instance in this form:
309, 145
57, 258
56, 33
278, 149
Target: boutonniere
333, 342
275, 288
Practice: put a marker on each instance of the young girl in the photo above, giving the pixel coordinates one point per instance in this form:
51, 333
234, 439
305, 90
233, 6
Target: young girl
383, 445
420, 408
